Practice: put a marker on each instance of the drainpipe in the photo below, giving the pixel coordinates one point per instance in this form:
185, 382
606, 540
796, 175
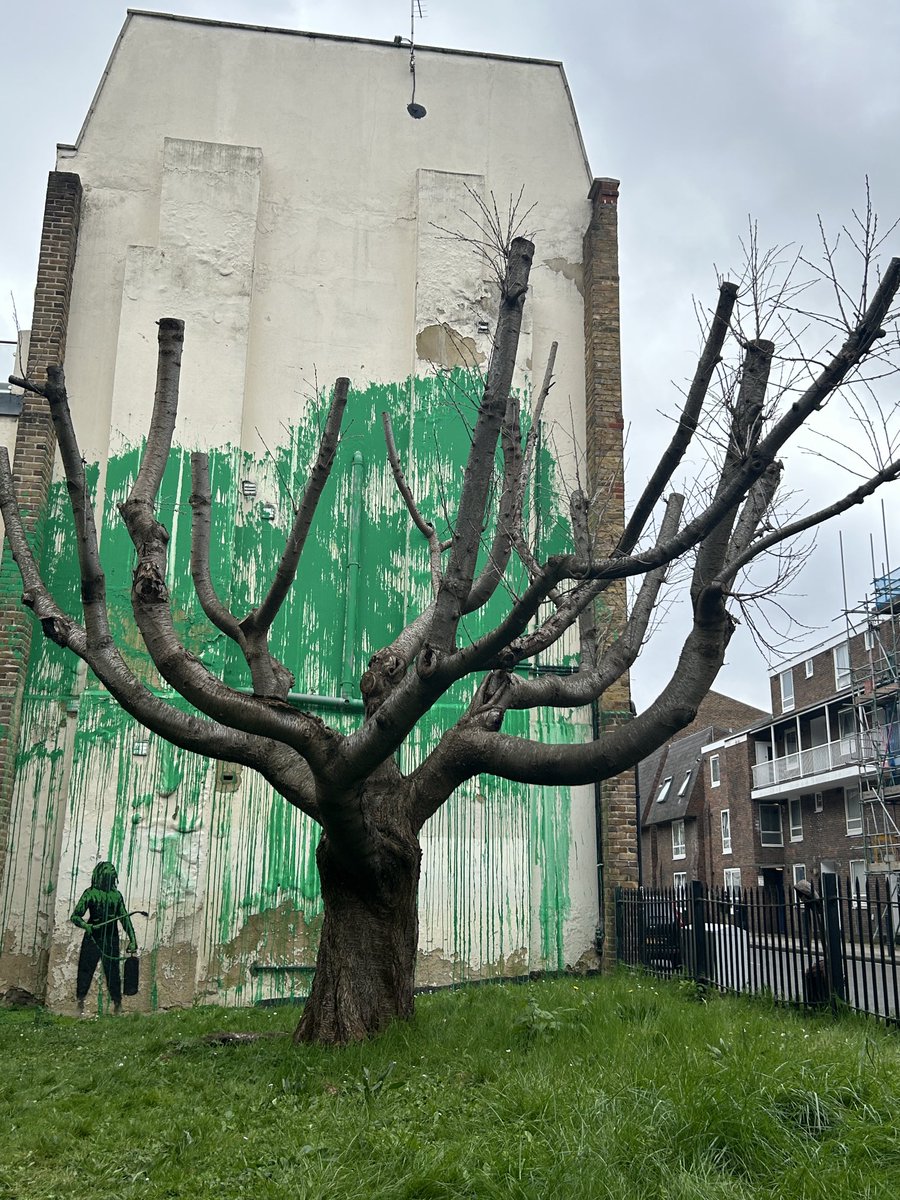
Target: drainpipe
600, 932
306, 700
351, 607
640, 838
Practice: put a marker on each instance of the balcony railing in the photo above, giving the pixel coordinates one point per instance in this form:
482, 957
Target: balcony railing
854, 750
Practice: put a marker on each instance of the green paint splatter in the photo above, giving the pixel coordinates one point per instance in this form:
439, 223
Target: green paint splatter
208, 861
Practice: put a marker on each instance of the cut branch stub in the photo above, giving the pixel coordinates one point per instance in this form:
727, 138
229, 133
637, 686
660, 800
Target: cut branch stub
469, 522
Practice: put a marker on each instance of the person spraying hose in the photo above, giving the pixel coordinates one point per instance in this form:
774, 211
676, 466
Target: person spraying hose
99, 912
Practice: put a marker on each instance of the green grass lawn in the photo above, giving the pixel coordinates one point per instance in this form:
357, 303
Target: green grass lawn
613, 1087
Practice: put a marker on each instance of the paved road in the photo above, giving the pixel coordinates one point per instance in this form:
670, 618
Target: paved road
872, 982
774, 964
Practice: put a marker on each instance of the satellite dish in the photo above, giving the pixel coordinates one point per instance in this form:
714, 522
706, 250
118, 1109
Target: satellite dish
416, 111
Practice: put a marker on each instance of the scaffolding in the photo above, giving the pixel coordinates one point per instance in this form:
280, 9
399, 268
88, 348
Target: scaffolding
876, 698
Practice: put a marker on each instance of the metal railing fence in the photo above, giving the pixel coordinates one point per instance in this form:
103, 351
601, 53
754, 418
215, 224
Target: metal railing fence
842, 947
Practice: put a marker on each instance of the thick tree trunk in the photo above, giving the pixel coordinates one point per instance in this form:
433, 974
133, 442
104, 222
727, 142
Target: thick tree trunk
365, 969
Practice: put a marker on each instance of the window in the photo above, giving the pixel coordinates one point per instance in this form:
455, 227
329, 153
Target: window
664, 790
679, 882
858, 882
787, 690
791, 753
869, 638
799, 870
770, 825
818, 802
714, 776
795, 816
726, 830
847, 733
732, 879
687, 779
842, 665
808, 668
853, 810
678, 846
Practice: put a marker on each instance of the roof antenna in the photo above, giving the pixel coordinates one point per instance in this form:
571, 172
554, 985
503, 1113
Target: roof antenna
416, 111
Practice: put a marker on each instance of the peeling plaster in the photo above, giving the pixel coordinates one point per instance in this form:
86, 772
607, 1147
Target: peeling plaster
229, 877
569, 270
445, 347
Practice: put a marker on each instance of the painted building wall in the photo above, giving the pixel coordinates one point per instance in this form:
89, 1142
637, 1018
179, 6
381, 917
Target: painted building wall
270, 189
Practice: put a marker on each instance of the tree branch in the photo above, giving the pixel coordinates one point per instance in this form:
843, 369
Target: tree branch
424, 527
150, 594
888, 474
687, 422
283, 768
201, 507
260, 620
457, 582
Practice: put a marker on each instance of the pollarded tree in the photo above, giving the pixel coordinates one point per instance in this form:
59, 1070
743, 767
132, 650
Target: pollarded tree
370, 813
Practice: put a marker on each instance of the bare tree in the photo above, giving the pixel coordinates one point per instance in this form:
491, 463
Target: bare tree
370, 813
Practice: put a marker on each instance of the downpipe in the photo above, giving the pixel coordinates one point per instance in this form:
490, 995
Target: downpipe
351, 603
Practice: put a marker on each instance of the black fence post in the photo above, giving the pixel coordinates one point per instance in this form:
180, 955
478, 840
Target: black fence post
834, 941
698, 925
620, 926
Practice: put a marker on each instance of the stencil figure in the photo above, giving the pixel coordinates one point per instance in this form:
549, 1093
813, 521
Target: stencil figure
105, 908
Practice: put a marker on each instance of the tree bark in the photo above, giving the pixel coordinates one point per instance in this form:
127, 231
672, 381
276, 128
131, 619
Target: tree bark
365, 968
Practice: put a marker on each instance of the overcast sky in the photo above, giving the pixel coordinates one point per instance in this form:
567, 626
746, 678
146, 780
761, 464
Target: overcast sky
706, 110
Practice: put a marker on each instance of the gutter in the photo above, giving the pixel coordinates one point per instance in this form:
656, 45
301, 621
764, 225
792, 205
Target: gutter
351, 606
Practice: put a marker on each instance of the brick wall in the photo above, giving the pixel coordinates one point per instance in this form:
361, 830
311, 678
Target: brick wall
824, 833
604, 425
33, 462
724, 712
821, 684
732, 793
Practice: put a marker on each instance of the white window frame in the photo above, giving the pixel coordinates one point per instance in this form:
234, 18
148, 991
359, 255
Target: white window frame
796, 828
665, 788
854, 824
847, 730
787, 693
715, 771
771, 833
798, 870
732, 877
725, 821
679, 883
679, 845
687, 779
857, 872
842, 675
809, 668
791, 753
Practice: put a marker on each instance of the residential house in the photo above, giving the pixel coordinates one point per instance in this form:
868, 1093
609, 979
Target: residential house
271, 188
681, 788
811, 789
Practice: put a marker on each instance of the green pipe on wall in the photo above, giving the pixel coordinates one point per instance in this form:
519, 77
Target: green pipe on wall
351, 605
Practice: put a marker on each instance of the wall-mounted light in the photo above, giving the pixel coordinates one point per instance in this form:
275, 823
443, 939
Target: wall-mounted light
248, 488
140, 749
267, 511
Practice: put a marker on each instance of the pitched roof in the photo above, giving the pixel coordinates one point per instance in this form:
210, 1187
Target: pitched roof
678, 761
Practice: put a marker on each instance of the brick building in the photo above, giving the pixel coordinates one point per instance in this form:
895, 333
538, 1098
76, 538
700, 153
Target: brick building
679, 797
811, 789
215, 179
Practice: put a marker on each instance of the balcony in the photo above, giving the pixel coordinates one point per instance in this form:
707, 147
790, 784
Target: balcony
845, 755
